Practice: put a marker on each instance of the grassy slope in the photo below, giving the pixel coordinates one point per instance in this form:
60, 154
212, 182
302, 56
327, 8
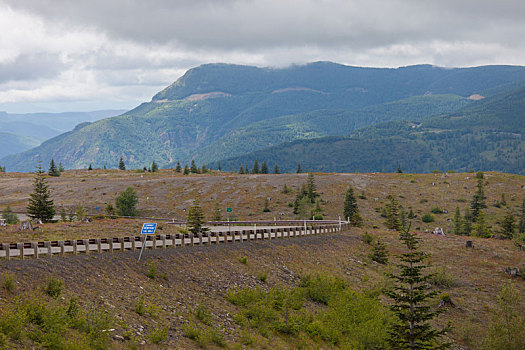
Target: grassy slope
202, 275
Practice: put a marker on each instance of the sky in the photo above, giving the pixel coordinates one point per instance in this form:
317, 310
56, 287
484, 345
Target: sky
78, 55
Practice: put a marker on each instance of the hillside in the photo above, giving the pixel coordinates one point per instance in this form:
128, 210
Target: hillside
487, 134
170, 291
211, 103
11, 143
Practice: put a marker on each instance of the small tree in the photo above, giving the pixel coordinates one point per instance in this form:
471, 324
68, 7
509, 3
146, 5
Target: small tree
61, 167
80, 212
241, 170
109, 210
53, 170
480, 228
299, 170
178, 168
219, 166
317, 211
458, 222
193, 168
196, 219
393, 214
186, 170
63, 214
411, 301
266, 208
399, 168
40, 205
508, 226
379, 254
264, 168
521, 224
2, 169
121, 164
126, 203
154, 167
350, 208
478, 200
204, 170
255, 169
9, 217
276, 169
90, 167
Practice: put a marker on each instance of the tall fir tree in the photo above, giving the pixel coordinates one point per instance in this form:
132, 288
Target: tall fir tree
264, 168
311, 188
380, 253
178, 168
193, 168
60, 167
458, 222
508, 226
393, 214
196, 219
90, 167
480, 228
276, 169
53, 170
255, 169
154, 167
186, 169
299, 169
41, 206
411, 301
350, 208
219, 166
478, 200
399, 168
121, 165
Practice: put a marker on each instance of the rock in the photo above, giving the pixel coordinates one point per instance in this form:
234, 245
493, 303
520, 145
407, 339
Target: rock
513, 271
118, 337
469, 244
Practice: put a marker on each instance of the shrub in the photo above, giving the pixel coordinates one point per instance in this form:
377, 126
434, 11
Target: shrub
8, 282
203, 314
262, 277
54, 287
320, 288
367, 238
436, 210
427, 218
158, 335
243, 260
140, 306
192, 332
152, 270
442, 279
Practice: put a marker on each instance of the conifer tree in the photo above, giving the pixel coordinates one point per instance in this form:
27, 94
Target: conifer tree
241, 170
121, 164
186, 169
193, 168
411, 298
9, 217
467, 222
478, 200
154, 167
196, 219
53, 170
255, 169
379, 254
60, 167
480, 228
299, 170
126, 202
393, 214
40, 205
508, 226
317, 211
178, 168
399, 168
266, 208
521, 225
458, 222
204, 170
276, 169
264, 168
350, 208
90, 167
311, 188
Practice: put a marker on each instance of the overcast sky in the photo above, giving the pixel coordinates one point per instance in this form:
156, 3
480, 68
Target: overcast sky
65, 55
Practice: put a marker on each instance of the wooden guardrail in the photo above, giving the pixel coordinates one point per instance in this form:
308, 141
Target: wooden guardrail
99, 245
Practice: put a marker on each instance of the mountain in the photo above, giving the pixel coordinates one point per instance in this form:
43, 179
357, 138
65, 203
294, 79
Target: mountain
10, 143
215, 111
488, 134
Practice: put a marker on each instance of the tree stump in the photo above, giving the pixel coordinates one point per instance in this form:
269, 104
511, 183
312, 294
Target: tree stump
25, 225
469, 244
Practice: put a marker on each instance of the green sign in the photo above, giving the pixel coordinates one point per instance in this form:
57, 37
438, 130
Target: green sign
229, 210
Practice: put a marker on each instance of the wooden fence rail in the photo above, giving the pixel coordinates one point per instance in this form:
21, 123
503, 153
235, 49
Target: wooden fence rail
99, 245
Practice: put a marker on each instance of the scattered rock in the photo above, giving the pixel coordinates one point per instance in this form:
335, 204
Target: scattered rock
513, 271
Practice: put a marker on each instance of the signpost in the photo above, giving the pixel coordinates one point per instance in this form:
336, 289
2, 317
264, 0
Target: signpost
147, 229
229, 210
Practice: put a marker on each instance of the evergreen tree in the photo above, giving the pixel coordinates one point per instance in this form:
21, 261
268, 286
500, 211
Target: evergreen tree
154, 167
241, 170
379, 254
9, 217
317, 211
503, 202
299, 170
193, 168
178, 168
204, 170
264, 168
393, 214
217, 213
109, 210
458, 222
186, 169
521, 225
53, 170
126, 203
411, 297
508, 226
61, 168
90, 167
399, 168
121, 164
478, 200
255, 169
219, 166
40, 206
350, 208
311, 188
266, 207
411, 214
285, 190
276, 169
63, 214
196, 219
467, 222
480, 228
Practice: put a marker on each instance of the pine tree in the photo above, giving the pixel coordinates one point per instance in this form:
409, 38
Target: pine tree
350, 208
311, 188
126, 203
196, 219
317, 211
411, 297
266, 207
63, 214
480, 228
285, 190
121, 164
276, 169
478, 200
399, 168
264, 168
458, 222
467, 222
508, 226
193, 168
90, 167
53, 170
40, 206
393, 214
521, 225
61, 168
154, 167
178, 168
379, 254
255, 169
241, 170
9, 217
299, 170
186, 169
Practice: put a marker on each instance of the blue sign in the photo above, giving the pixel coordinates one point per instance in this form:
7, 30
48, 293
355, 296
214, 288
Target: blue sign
148, 229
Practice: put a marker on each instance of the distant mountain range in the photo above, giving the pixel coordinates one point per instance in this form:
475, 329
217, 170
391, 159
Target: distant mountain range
20, 132
327, 116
